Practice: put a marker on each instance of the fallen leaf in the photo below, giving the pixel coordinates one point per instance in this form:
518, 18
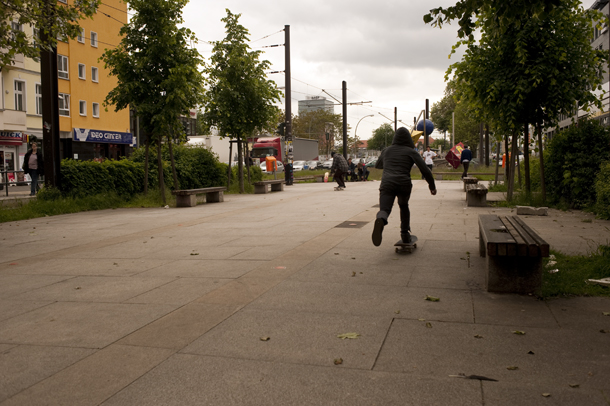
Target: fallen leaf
336, 253
546, 395
478, 336
265, 338
574, 385
397, 311
606, 313
421, 319
194, 253
77, 288
604, 331
519, 333
512, 368
338, 361
530, 352
428, 324
353, 257
348, 335
432, 298
353, 273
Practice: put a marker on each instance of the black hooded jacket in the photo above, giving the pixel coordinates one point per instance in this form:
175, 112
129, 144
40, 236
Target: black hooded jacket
397, 161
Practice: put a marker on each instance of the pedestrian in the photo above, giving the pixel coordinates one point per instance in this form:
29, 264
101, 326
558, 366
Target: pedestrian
428, 155
33, 166
466, 157
338, 168
351, 172
396, 162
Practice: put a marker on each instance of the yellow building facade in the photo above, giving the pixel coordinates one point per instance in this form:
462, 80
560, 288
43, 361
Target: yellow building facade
87, 130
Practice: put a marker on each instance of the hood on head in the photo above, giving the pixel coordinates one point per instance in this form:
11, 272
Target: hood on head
332, 154
403, 137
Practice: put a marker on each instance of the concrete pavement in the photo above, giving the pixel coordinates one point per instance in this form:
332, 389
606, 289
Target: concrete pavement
174, 307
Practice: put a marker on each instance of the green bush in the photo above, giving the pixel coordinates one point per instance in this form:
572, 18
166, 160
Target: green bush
256, 174
85, 178
602, 189
574, 158
535, 179
196, 167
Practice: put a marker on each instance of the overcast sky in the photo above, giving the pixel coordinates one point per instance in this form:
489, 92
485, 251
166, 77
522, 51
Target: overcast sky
382, 49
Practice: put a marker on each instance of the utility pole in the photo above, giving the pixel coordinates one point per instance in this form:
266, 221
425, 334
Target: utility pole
50, 106
344, 88
288, 91
395, 118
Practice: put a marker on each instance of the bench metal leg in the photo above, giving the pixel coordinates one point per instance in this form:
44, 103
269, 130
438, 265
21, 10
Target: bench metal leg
186, 201
214, 197
514, 274
260, 189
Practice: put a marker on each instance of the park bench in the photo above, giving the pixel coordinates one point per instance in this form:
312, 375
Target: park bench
476, 195
188, 197
469, 180
514, 254
317, 178
277, 185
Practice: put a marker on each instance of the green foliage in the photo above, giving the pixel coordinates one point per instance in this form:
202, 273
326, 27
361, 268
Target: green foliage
438, 143
574, 158
256, 174
535, 179
602, 189
312, 124
156, 67
441, 111
83, 178
49, 193
382, 137
573, 273
63, 24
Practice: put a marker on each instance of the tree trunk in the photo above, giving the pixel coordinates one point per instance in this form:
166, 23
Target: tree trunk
146, 154
526, 160
171, 156
487, 154
160, 164
540, 149
247, 154
240, 167
506, 166
229, 171
511, 167
497, 162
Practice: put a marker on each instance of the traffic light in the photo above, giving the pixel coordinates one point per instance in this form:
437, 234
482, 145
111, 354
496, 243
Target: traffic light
281, 129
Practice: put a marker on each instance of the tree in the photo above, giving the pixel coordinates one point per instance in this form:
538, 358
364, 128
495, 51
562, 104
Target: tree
315, 124
441, 111
530, 65
52, 21
382, 137
157, 72
240, 97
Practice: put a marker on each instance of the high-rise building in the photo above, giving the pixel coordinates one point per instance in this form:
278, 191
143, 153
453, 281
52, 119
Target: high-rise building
316, 103
87, 129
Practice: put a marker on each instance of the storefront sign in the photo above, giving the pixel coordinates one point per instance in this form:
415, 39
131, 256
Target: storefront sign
11, 138
109, 137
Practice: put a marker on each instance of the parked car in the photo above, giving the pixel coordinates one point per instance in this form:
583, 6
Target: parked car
299, 165
371, 164
327, 164
280, 167
313, 165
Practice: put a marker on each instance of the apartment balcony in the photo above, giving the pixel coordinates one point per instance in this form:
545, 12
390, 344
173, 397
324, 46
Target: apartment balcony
13, 120
18, 61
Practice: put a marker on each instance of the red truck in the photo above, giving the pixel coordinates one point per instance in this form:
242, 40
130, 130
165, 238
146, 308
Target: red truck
303, 149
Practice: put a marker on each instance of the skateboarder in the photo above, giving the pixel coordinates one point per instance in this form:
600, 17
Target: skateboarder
338, 168
396, 162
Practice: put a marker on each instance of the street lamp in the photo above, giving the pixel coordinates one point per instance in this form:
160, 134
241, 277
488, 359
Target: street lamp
356, 130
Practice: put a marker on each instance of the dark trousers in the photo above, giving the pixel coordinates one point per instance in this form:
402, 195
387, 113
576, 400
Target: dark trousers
386, 202
465, 173
34, 175
430, 167
338, 176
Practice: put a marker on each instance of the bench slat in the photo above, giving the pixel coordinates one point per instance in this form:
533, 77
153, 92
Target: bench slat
542, 245
495, 235
532, 246
522, 247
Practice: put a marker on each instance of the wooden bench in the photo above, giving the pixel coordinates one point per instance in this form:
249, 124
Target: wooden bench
317, 178
476, 195
277, 185
188, 197
514, 254
469, 180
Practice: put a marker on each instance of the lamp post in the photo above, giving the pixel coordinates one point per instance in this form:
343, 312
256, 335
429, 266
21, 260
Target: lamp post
356, 130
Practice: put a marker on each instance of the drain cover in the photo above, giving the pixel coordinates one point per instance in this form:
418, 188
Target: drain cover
352, 224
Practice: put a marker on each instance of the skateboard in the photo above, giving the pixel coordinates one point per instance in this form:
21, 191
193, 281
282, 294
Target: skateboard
406, 247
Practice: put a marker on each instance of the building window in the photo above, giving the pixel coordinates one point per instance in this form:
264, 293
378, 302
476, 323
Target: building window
15, 27
81, 36
95, 110
94, 74
35, 36
82, 73
64, 104
63, 1
93, 39
19, 95
62, 67
39, 99
82, 107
